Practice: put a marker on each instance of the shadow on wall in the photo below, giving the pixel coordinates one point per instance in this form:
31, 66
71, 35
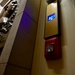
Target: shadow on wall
56, 65
63, 27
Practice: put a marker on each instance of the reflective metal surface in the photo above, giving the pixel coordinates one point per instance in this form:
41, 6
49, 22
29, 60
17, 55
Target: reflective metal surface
51, 27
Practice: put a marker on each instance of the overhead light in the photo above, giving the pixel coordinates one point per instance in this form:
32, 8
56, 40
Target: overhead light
5, 19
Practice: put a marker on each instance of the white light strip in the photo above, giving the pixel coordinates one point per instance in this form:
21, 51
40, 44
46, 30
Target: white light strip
1, 1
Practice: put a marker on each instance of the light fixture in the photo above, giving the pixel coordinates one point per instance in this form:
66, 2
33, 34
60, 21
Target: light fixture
5, 19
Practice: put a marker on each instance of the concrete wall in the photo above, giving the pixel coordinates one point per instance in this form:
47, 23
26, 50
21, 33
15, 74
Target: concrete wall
64, 66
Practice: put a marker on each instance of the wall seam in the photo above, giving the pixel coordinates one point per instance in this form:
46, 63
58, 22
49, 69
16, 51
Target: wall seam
35, 36
31, 18
19, 66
